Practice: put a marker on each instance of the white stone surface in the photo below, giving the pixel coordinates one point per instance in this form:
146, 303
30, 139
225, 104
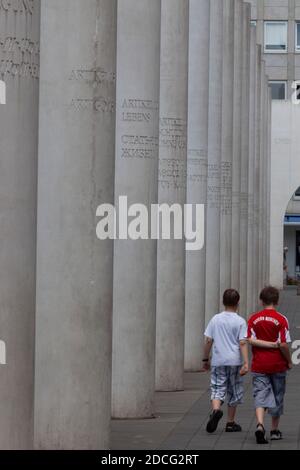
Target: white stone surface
197, 175
136, 177
244, 176
237, 142
19, 69
212, 288
227, 147
74, 268
170, 318
256, 285
251, 257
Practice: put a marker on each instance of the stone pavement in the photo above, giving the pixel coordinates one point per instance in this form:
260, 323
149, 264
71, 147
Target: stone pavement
181, 417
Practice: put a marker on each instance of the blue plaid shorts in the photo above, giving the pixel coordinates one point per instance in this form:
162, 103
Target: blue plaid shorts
269, 391
226, 381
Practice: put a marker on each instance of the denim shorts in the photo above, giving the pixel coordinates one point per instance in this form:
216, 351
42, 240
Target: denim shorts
226, 382
269, 391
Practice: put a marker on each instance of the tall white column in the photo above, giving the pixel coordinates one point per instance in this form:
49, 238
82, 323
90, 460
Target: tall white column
237, 129
170, 320
244, 158
261, 232
19, 69
251, 256
269, 137
136, 178
266, 180
227, 147
212, 288
196, 175
256, 206
74, 268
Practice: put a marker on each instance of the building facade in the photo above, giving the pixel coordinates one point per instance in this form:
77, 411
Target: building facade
278, 30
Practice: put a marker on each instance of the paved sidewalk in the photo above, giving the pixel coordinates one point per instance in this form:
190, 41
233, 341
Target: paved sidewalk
181, 417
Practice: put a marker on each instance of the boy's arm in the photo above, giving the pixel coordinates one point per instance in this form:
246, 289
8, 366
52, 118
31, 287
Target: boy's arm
285, 351
258, 343
206, 353
244, 351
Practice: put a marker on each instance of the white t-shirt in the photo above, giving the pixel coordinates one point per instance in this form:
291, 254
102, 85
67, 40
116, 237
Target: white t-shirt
226, 329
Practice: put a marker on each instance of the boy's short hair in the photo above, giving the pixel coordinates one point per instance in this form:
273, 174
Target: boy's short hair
269, 296
231, 298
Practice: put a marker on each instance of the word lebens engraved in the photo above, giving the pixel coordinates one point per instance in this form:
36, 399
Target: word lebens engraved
138, 110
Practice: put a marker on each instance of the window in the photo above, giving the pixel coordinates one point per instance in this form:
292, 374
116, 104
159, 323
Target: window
253, 22
297, 37
276, 36
278, 90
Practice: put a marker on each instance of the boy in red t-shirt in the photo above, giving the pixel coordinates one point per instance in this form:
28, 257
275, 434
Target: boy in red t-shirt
268, 333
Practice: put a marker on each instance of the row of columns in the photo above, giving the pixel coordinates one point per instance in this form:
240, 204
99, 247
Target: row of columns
162, 101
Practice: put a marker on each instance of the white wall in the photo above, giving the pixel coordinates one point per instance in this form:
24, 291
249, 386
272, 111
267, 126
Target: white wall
285, 177
290, 242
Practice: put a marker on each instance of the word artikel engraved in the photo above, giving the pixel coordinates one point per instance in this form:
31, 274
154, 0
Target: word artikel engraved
95, 77
17, 6
141, 114
138, 110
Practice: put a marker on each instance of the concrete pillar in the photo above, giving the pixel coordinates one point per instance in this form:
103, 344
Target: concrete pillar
74, 268
136, 177
237, 129
251, 257
256, 207
196, 175
269, 186
244, 158
227, 147
266, 179
172, 190
19, 69
212, 289
261, 233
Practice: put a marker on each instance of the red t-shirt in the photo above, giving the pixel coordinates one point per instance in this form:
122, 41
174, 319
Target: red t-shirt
269, 325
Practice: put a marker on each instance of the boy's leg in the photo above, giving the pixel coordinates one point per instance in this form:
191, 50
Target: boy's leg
231, 413
260, 415
264, 399
218, 394
216, 404
279, 387
235, 395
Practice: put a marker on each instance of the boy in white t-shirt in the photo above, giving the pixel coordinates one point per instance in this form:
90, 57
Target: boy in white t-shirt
226, 336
